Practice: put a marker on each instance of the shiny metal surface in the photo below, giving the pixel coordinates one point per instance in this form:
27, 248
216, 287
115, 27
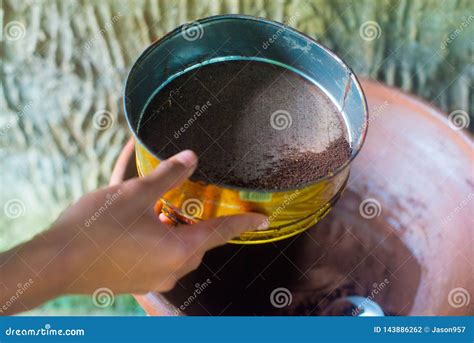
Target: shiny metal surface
233, 37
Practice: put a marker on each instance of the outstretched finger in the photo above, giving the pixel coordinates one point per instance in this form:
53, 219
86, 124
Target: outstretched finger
169, 174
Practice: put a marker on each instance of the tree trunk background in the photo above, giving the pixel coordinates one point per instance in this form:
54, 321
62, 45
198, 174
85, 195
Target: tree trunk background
64, 61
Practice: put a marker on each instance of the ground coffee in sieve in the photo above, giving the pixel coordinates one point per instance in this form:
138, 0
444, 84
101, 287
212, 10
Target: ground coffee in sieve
253, 124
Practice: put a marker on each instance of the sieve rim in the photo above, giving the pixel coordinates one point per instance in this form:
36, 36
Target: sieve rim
242, 17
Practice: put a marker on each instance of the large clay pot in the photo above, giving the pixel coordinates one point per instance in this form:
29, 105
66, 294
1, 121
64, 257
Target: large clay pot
403, 223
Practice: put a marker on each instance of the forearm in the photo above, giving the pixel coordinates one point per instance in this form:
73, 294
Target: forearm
126, 248
33, 273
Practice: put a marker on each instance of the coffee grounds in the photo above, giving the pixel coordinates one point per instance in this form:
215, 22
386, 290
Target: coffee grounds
295, 168
252, 124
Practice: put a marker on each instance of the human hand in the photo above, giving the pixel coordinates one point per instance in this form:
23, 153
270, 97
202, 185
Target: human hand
113, 238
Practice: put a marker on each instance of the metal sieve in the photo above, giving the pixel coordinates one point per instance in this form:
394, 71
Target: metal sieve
231, 37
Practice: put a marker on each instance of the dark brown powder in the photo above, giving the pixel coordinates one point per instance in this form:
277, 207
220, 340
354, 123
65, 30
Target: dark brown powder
253, 125
295, 167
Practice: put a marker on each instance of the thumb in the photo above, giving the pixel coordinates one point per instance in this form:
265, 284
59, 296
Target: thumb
214, 232
169, 174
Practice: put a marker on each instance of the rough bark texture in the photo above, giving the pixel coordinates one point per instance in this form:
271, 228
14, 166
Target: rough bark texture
64, 61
